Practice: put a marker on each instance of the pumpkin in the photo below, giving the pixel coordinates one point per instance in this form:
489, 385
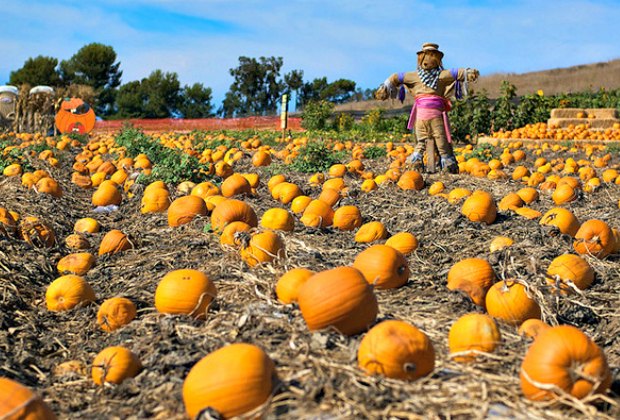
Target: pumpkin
287, 287
531, 328
337, 170
115, 364
562, 220
185, 291
78, 263
86, 225
253, 180
330, 196
18, 402
114, 241
49, 186
528, 213
403, 242
563, 359
564, 193
480, 207
230, 211
115, 313
370, 232
285, 192
275, 180
261, 158
595, 238
204, 190
508, 300
67, 292
528, 195
368, 185
436, 188
234, 185
500, 242
77, 241
229, 235
36, 232
14, 169
8, 226
262, 247
184, 209
155, 200
106, 194
569, 269
232, 380
299, 204
472, 276
411, 180
185, 187
383, 266
397, 350
337, 184
510, 202
317, 214
520, 172
470, 334
338, 298
347, 218
278, 219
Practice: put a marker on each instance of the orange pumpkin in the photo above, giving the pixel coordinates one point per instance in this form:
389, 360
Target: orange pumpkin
411, 180
155, 200
115, 313
564, 193
480, 207
185, 291
569, 269
383, 266
285, 192
278, 219
595, 238
184, 209
234, 185
114, 365
86, 225
299, 204
230, 211
500, 242
78, 263
107, 194
232, 380
508, 300
18, 402
472, 276
528, 195
8, 226
330, 196
470, 334
287, 287
562, 220
339, 298
261, 158
397, 350
67, 292
531, 328
318, 214
510, 202
230, 237
347, 218
114, 241
370, 232
204, 190
49, 186
403, 242
561, 360
77, 241
261, 248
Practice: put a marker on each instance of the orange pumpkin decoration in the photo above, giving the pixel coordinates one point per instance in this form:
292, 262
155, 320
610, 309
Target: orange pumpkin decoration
107, 194
562, 220
287, 287
531, 328
403, 242
114, 241
75, 116
115, 313
232, 380
262, 247
397, 350
78, 263
230, 237
347, 218
230, 211
278, 219
570, 268
472, 276
480, 207
370, 232
184, 209
234, 185
185, 291
114, 365
595, 238
67, 292
339, 298
36, 232
508, 300
383, 266
18, 402
561, 360
318, 214
470, 334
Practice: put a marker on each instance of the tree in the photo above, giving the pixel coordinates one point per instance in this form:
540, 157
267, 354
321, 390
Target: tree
195, 101
37, 71
94, 65
130, 100
257, 87
338, 91
157, 96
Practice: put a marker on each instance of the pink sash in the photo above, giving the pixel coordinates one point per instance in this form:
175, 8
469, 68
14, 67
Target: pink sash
432, 102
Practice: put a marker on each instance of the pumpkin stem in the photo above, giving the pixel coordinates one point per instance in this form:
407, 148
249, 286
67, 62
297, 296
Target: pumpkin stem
409, 367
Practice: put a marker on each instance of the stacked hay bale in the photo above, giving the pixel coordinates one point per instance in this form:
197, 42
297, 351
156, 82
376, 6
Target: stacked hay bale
8, 99
595, 118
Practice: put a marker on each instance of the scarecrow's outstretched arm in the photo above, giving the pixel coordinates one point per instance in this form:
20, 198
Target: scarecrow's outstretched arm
391, 88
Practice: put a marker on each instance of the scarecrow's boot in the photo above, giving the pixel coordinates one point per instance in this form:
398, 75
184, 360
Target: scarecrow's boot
415, 162
449, 165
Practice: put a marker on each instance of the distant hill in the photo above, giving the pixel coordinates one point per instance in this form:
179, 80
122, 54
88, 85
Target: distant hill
587, 77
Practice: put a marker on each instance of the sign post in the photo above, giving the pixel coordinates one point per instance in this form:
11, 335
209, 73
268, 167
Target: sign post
284, 115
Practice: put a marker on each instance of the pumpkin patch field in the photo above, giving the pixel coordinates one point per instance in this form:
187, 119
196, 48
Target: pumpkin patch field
219, 274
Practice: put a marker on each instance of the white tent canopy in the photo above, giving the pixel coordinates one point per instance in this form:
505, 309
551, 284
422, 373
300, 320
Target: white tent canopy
9, 89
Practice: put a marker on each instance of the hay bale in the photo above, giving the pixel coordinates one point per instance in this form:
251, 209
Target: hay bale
566, 112
602, 113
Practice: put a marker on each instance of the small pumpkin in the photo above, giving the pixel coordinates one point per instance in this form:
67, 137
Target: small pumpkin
563, 359
564, 193
232, 380
8, 226
115, 364
470, 334
115, 313
299, 204
508, 300
261, 158
370, 232
86, 225
230, 211
184, 209
510, 202
263, 247
569, 268
18, 402
383, 266
229, 235
500, 242
155, 200
472, 276
403, 242
49, 186
285, 192
67, 292
287, 287
347, 218
205, 189
78, 263
458, 194
77, 241
278, 219
107, 194
595, 238
338, 298
114, 241
397, 350
480, 207
562, 220
528, 195
185, 291
531, 328
411, 180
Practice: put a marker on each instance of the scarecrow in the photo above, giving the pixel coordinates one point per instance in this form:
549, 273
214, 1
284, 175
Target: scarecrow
431, 86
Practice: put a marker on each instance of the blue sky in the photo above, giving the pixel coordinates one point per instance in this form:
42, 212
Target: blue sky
364, 41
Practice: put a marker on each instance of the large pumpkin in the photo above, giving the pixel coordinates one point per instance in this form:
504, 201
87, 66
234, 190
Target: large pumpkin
472, 276
18, 402
594, 237
339, 298
184, 209
397, 350
185, 291
383, 266
68, 291
232, 380
563, 359
470, 334
570, 268
509, 301
480, 207
230, 211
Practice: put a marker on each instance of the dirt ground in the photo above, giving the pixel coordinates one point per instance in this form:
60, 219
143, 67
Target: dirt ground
318, 372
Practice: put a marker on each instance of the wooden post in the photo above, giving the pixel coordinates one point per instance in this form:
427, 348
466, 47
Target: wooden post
284, 115
431, 164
